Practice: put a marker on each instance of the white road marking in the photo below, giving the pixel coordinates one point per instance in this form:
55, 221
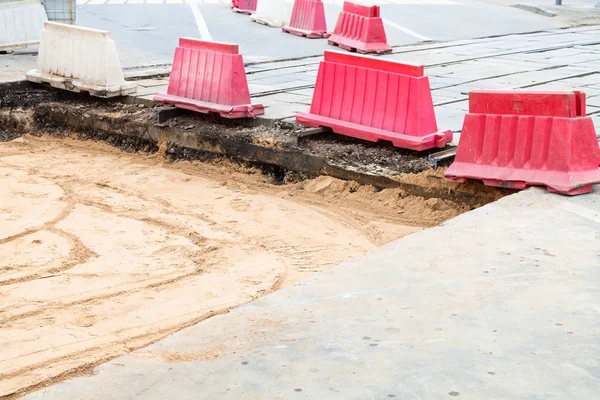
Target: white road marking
200, 22
116, 2
406, 30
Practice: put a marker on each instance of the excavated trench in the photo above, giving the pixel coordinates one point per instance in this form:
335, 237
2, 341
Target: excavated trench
115, 232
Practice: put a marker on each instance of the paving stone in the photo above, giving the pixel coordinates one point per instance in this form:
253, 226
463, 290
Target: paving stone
282, 79
596, 121
424, 59
280, 111
13, 66
589, 48
287, 97
441, 99
448, 93
476, 69
533, 77
437, 82
152, 82
461, 107
487, 84
449, 118
558, 85
592, 103
304, 92
527, 65
147, 99
589, 64
142, 91
584, 80
258, 88
530, 57
298, 71
591, 92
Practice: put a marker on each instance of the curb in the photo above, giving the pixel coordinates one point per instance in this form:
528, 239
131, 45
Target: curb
535, 10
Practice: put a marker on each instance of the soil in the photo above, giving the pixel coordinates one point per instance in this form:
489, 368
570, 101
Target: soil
374, 158
6, 136
103, 252
25, 94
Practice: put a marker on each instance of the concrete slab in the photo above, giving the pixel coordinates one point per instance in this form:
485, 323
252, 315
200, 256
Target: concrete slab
148, 83
451, 117
499, 303
282, 111
13, 66
532, 58
593, 102
481, 85
277, 71
437, 98
438, 81
256, 88
161, 87
540, 77
596, 119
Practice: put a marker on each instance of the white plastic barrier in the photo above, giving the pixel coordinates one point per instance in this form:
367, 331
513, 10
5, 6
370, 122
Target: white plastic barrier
80, 59
274, 13
21, 23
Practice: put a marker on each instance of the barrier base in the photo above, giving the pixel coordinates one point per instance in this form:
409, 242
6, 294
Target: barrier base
239, 111
265, 21
74, 85
564, 182
355, 46
239, 11
417, 143
305, 33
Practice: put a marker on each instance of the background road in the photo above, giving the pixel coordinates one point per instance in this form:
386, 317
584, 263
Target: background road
146, 31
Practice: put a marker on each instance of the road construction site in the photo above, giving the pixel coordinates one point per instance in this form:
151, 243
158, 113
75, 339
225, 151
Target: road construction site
174, 220
153, 251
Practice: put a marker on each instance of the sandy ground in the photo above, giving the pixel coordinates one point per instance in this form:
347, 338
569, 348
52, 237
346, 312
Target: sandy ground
102, 252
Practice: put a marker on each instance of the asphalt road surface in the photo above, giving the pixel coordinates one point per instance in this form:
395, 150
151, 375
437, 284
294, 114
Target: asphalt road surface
146, 31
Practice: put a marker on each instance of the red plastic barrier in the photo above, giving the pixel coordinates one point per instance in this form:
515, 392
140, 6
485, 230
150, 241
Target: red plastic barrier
375, 100
209, 77
359, 28
244, 6
308, 20
519, 139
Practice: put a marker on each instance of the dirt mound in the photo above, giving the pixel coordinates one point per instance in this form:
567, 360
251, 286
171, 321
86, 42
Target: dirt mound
387, 204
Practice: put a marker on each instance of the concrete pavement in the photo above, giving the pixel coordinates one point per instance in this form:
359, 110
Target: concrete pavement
499, 303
